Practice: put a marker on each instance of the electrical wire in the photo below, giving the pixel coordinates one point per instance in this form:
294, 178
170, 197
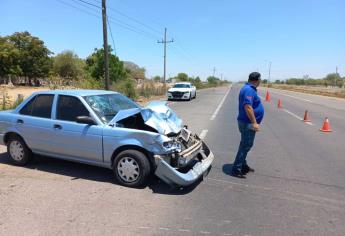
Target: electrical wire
111, 34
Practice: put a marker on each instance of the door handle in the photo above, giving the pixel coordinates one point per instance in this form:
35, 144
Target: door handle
20, 121
56, 126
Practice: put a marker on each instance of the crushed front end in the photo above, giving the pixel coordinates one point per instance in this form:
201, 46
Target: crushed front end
190, 161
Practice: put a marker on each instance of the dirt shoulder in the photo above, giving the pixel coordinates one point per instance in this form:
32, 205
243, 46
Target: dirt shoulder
323, 91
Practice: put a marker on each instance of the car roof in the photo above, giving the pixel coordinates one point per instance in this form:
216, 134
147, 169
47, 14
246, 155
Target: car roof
76, 92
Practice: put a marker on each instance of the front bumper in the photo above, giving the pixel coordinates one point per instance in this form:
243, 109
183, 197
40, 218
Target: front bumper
180, 96
173, 176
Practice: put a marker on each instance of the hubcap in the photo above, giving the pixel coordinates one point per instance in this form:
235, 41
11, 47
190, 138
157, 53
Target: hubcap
16, 150
128, 169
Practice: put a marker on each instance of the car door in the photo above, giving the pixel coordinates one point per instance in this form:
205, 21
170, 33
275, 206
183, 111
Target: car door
74, 140
33, 122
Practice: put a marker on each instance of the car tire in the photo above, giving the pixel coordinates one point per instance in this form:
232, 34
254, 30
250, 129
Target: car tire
18, 151
195, 95
131, 168
190, 96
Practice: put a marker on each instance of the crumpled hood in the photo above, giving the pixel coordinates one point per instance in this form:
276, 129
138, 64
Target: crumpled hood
156, 115
179, 90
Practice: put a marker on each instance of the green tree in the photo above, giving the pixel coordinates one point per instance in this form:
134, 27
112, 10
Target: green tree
182, 77
9, 56
212, 80
157, 78
34, 60
334, 79
135, 72
95, 66
68, 65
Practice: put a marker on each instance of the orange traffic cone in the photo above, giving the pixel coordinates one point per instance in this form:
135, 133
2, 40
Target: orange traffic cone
268, 96
326, 126
280, 104
306, 117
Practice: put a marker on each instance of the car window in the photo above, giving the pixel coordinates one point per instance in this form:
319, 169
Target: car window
181, 86
27, 109
40, 106
106, 106
69, 108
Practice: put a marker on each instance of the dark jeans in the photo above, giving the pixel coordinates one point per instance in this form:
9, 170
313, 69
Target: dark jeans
247, 141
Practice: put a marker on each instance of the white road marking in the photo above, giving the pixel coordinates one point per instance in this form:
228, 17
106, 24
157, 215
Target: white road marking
302, 99
295, 194
203, 134
293, 114
144, 227
162, 228
296, 116
204, 232
184, 230
220, 105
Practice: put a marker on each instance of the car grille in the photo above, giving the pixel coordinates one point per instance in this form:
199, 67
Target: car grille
177, 94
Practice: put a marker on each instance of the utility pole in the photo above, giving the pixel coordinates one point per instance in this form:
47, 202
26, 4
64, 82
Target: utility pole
214, 71
269, 71
105, 45
165, 52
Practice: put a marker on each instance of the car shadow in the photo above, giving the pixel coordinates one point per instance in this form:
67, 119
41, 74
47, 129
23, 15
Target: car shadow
82, 171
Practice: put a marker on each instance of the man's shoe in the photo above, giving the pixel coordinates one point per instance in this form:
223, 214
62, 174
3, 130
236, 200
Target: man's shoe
238, 174
247, 169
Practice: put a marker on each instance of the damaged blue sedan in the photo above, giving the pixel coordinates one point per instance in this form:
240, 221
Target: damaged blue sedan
106, 129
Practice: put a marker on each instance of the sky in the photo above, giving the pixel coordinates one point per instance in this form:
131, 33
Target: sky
236, 37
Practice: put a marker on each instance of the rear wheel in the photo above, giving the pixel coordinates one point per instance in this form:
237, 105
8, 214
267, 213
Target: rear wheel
19, 153
131, 168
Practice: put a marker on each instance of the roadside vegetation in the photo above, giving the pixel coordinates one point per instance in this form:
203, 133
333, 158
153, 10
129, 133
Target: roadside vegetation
333, 85
26, 61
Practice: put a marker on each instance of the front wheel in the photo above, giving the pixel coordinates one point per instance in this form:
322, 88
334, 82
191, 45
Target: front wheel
18, 151
131, 168
190, 96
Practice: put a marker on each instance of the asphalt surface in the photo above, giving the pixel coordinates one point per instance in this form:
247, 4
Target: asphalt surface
298, 187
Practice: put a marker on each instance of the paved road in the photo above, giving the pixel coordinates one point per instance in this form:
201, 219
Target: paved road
298, 187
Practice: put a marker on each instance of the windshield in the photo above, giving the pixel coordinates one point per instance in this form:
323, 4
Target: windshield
181, 86
106, 106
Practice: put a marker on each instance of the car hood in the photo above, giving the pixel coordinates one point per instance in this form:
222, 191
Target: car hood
157, 115
179, 90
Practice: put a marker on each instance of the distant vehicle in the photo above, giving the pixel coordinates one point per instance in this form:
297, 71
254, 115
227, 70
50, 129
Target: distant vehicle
106, 129
182, 91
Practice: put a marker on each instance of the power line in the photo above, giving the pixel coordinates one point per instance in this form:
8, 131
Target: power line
111, 34
117, 20
88, 3
135, 20
79, 9
111, 19
131, 18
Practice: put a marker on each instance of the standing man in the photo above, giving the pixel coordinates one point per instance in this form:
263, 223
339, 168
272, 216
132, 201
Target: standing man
250, 115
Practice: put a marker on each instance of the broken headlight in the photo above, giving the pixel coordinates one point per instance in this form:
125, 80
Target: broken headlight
172, 145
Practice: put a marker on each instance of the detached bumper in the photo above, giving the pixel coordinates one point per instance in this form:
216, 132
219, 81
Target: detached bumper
173, 176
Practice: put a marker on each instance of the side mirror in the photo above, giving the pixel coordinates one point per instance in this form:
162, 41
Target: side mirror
85, 120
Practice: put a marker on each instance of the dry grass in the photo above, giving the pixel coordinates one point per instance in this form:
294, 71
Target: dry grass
318, 90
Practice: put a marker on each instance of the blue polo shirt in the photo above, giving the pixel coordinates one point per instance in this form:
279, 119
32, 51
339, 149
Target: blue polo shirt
248, 95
